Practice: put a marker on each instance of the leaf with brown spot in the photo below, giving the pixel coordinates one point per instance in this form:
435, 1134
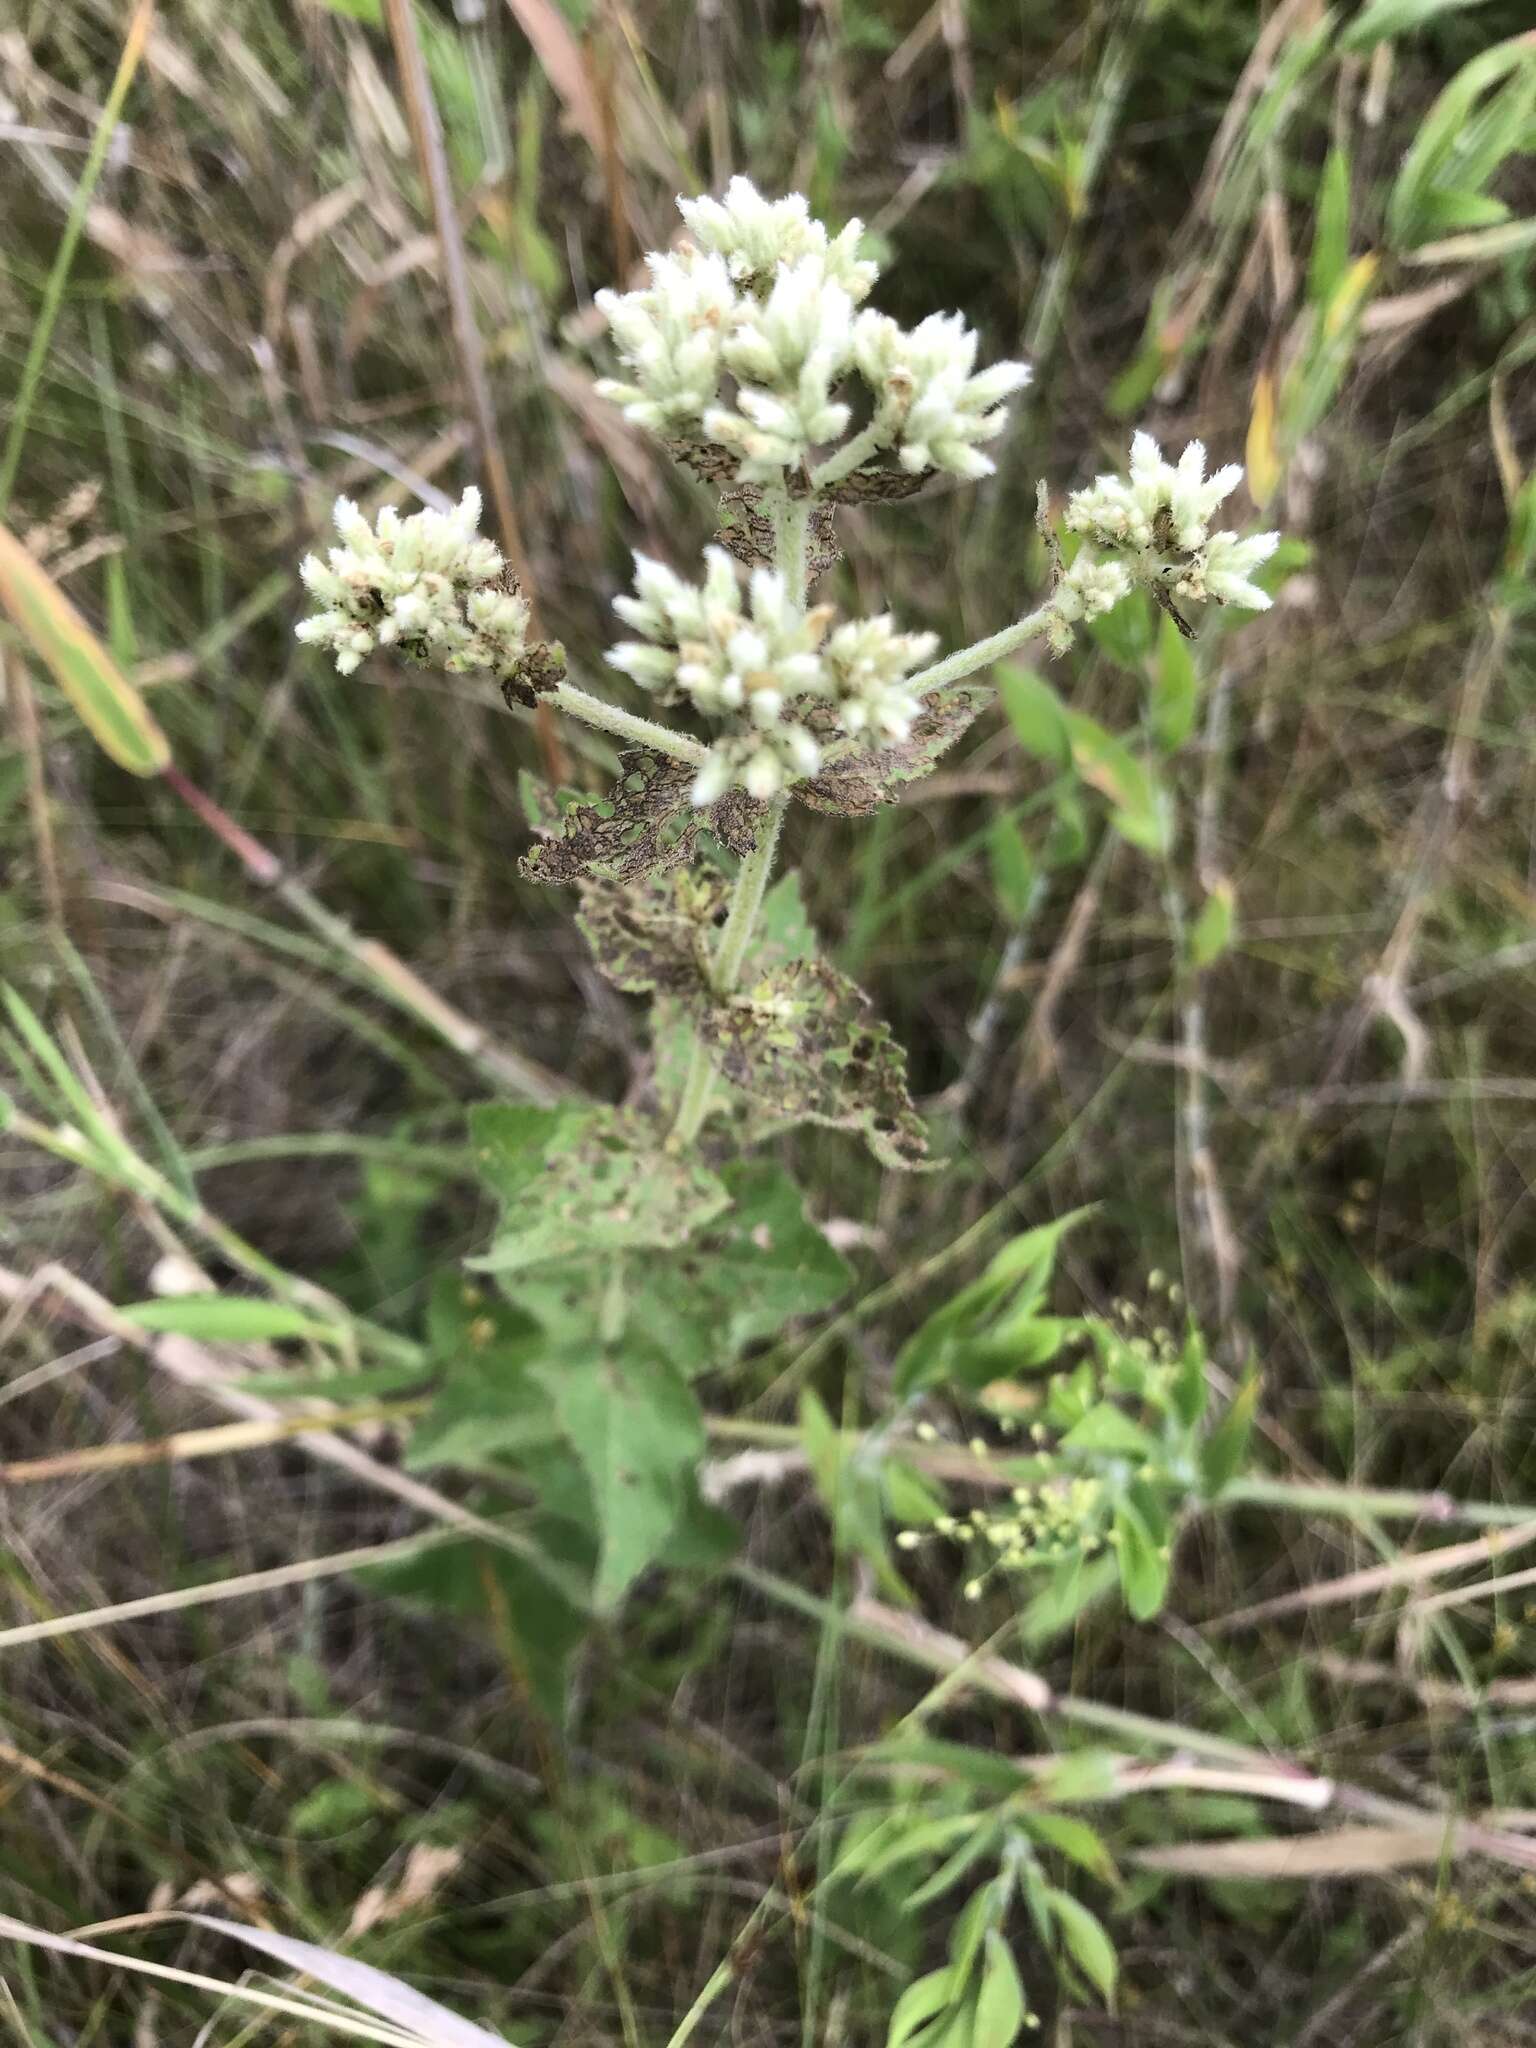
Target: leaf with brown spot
655, 938
858, 784
806, 1047
644, 824
801, 1046
584, 1181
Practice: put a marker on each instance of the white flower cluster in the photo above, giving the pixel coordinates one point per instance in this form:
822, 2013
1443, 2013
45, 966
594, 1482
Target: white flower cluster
430, 586
764, 300
936, 410
1085, 590
767, 668
754, 235
1157, 522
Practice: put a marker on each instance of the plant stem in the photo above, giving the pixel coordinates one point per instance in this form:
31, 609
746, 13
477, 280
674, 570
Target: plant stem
746, 901
981, 653
725, 973
791, 532
869, 441
1363, 1503
643, 732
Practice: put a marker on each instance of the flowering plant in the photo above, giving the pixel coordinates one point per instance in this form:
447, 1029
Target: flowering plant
750, 350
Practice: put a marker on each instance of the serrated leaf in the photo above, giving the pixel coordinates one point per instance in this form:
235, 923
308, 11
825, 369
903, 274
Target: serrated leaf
745, 1275
104, 700
858, 784
227, 1319
645, 822
1085, 1941
635, 1426
589, 1180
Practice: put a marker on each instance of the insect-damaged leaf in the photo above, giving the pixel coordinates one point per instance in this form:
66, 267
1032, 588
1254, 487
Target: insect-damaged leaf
802, 1044
806, 1044
646, 821
860, 783
584, 1180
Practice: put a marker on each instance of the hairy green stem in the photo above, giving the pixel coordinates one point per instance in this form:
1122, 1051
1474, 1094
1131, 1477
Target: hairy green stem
641, 732
845, 460
791, 534
981, 653
725, 971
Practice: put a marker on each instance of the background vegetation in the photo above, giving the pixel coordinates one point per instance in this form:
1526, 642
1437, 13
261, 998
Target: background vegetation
1300, 233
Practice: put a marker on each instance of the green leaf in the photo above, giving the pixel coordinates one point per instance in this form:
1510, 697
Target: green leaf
1384, 19
1457, 148
536, 1627
1001, 2006
1073, 1587
331, 1809
1127, 633
1212, 931
489, 1406
1037, 714
1330, 236
1143, 1567
1014, 873
104, 700
635, 1426
1139, 811
1085, 1941
1071, 1838
1109, 1431
592, 1181
850, 1488
919, 2005
227, 1319
1225, 1450
744, 1276
1175, 689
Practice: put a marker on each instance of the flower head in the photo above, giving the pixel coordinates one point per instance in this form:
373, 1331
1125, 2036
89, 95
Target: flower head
924, 384
779, 681
747, 337
869, 667
787, 353
431, 586
754, 236
1157, 523
670, 338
